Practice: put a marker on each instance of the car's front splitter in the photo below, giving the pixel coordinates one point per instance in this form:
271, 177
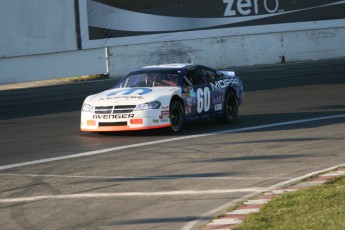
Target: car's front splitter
121, 128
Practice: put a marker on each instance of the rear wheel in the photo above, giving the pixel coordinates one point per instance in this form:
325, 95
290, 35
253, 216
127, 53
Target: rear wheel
176, 116
230, 111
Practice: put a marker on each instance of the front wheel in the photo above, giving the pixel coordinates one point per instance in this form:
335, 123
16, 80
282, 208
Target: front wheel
176, 116
230, 111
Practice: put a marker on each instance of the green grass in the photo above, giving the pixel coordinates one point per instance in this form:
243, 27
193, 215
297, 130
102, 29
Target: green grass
321, 207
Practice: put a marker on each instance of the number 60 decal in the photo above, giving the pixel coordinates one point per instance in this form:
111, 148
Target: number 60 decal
204, 99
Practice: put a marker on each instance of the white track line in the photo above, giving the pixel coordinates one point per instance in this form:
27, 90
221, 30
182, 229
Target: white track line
127, 194
145, 177
101, 151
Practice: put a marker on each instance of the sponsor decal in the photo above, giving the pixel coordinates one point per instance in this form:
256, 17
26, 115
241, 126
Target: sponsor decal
165, 120
187, 93
145, 21
135, 17
155, 121
218, 107
250, 7
203, 99
120, 97
192, 93
163, 117
189, 101
112, 116
165, 112
139, 91
217, 99
165, 107
225, 83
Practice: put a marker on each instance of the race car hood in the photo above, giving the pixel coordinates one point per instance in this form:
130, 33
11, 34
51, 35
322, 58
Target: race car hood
131, 96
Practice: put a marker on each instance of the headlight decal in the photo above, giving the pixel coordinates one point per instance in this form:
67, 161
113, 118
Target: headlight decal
88, 108
148, 105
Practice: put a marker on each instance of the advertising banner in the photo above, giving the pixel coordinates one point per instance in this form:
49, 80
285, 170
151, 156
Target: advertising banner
117, 22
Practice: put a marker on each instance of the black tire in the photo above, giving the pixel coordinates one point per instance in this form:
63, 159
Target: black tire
230, 107
176, 116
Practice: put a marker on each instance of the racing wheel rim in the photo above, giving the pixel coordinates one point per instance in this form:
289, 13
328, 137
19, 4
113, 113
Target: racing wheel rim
231, 108
176, 116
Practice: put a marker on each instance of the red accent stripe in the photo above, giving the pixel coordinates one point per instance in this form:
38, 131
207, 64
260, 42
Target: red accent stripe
122, 128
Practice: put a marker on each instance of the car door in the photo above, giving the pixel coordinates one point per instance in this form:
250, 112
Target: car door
197, 93
216, 93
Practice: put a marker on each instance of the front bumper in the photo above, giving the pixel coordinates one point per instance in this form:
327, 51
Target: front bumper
91, 122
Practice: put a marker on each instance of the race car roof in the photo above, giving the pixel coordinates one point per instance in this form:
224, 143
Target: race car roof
168, 66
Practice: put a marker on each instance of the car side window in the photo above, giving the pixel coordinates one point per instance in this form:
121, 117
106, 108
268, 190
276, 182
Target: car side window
209, 75
219, 75
193, 77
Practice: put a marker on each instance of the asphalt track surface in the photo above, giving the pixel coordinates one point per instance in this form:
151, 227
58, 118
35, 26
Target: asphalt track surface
292, 123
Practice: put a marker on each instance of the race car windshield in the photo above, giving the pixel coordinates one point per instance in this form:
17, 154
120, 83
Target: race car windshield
150, 79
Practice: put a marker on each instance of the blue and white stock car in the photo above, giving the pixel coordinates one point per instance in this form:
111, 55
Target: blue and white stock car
164, 96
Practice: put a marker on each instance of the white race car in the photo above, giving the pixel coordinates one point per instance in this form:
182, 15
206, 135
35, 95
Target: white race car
163, 96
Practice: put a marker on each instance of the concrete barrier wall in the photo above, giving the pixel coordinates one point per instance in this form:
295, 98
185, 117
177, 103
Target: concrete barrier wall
40, 39
233, 51
37, 26
52, 65
229, 33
